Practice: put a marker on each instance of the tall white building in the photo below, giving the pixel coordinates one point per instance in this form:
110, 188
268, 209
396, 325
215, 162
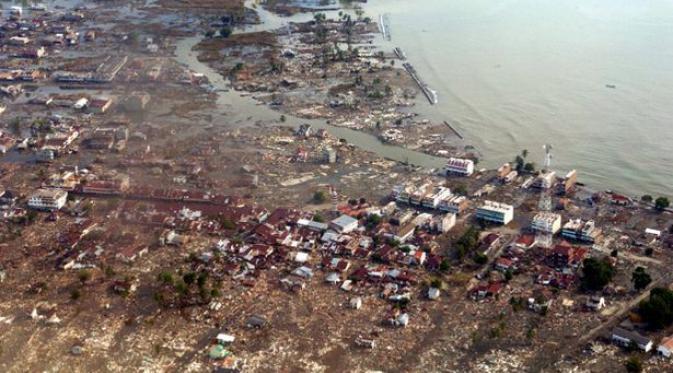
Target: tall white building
459, 166
48, 199
444, 223
546, 222
496, 212
432, 199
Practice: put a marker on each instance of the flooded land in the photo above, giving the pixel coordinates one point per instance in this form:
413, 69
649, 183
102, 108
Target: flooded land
255, 186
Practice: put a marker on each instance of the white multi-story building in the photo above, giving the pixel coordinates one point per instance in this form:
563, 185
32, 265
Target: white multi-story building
433, 198
48, 199
545, 180
546, 222
459, 166
417, 196
496, 212
444, 223
576, 229
453, 204
402, 193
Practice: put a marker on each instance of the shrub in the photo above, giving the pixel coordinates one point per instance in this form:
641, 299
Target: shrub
633, 365
319, 197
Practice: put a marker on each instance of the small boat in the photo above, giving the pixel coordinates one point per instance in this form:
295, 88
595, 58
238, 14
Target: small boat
611, 86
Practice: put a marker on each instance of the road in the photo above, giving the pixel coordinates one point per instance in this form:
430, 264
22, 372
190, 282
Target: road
508, 238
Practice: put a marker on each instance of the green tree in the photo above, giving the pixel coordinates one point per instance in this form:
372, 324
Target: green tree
661, 203
31, 216
201, 280
83, 275
225, 32
373, 221
519, 163
319, 18
524, 153
657, 310
508, 275
646, 198
319, 197
640, 278
444, 265
480, 259
227, 224
165, 277
634, 365
181, 287
529, 167
596, 274
75, 294
467, 242
189, 278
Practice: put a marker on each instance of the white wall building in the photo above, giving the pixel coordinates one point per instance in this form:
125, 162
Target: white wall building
344, 224
444, 223
459, 166
453, 204
48, 199
496, 212
432, 199
546, 222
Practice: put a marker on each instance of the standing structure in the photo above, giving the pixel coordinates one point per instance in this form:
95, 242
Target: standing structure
544, 237
335, 199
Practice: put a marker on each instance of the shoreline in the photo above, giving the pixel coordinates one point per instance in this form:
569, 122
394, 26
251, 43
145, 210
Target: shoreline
345, 131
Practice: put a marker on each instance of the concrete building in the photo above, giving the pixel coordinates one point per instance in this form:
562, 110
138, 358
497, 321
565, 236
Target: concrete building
453, 204
578, 230
48, 199
495, 212
402, 193
443, 223
417, 196
459, 166
545, 180
546, 222
344, 224
625, 338
568, 182
432, 199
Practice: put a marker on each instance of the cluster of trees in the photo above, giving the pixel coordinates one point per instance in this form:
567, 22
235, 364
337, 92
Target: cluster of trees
660, 204
596, 274
183, 287
467, 242
640, 278
520, 163
657, 311
372, 221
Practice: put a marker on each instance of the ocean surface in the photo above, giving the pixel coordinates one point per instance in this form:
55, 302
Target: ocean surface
593, 78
